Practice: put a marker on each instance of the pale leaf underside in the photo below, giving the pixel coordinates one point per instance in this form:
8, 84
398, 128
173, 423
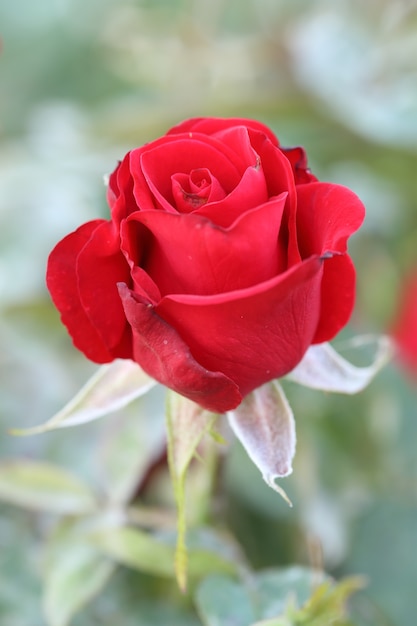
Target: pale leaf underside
111, 388
324, 369
264, 424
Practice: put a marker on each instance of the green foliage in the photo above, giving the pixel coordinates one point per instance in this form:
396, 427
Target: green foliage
153, 554
74, 572
83, 83
38, 485
325, 607
287, 597
221, 600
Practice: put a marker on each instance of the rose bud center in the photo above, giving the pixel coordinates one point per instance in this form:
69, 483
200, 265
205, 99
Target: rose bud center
192, 190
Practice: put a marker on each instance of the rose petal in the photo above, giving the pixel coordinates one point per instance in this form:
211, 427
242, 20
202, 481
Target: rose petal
327, 215
279, 178
248, 194
144, 286
61, 279
213, 125
337, 297
298, 159
120, 191
404, 325
253, 335
184, 155
238, 140
145, 199
100, 266
214, 259
162, 353
190, 191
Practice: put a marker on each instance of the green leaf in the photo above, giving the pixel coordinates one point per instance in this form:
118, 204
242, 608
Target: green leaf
75, 571
265, 596
79, 576
45, 487
148, 553
111, 388
328, 602
221, 601
20, 584
264, 424
300, 604
323, 368
187, 423
135, 548
275, 587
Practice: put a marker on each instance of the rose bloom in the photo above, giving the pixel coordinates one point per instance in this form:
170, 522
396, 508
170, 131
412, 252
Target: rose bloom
404, 326
223, 261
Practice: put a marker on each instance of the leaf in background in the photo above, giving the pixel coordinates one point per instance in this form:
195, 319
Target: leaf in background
153, 555
135, 548
323, 368
19, 569
221, 601
111, 388
327, 603
187, 423
44, 486
75, 573
267, 594
264, 424
325, 607
385, 548
276, 587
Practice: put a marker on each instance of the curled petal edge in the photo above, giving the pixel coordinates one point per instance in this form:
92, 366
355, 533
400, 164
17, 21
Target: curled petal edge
161, 352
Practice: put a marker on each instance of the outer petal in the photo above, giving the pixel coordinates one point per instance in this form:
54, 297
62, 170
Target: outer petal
327, 215
298, 159
100, 266
120, 191
188, 254
253, 335
213, 125
61, 279
337, 297
404, 326
162, 353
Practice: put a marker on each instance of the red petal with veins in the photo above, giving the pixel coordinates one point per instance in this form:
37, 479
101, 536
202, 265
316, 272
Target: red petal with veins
163, 354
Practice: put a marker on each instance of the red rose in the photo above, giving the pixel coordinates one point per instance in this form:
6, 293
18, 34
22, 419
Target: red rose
404, 326
223, 261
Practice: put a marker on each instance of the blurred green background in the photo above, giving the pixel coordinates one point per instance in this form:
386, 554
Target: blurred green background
82, 82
